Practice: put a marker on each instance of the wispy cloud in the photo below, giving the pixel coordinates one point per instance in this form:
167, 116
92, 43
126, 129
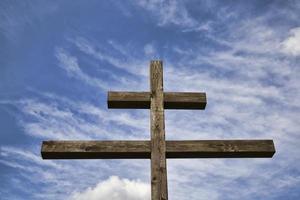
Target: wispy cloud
168, 12
70, 64
67, 119
14, 19
7, 152
135, 67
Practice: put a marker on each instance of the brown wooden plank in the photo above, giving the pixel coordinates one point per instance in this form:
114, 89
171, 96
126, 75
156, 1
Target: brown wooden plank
95, 149
141, 149
220, 149
138, 100
184, 100
159, 188
141, 100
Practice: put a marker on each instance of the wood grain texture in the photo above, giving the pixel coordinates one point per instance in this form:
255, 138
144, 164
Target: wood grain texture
137, 100
141, 149
185, 100
220, 149
96, 149
159, 188
141, 100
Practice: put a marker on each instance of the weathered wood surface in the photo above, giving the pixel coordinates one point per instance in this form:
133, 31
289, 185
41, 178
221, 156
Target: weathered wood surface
141, 100
138, 100
159, 188
184, 100
96, 149
141, 149
220, 149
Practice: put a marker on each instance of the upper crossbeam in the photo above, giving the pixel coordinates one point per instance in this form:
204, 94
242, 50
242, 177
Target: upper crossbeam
141, 100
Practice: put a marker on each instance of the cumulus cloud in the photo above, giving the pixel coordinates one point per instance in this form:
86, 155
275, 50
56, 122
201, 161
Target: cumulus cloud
291, 45
115, 188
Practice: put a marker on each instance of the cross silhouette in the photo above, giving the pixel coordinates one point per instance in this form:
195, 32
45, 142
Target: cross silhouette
157, 149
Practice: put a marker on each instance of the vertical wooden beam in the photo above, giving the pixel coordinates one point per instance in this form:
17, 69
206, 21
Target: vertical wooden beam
159, 188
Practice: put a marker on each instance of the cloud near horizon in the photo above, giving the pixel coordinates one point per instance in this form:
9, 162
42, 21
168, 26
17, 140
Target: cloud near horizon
115, 188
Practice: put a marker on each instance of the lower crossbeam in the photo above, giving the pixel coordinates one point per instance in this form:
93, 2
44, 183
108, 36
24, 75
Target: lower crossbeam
142, 149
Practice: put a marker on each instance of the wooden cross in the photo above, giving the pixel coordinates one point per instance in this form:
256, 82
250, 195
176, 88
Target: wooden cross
157, 149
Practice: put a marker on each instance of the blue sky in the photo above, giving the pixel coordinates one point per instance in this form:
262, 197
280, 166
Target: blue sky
58, 59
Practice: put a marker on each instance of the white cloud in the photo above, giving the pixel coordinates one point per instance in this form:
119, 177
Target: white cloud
120, 48
70, 65
64, 177
78, 120
206, 26
133, 66
6, 152
291, 45
149, 49
115, 188
168, 12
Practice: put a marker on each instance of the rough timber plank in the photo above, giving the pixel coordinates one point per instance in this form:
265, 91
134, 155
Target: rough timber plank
95, 149
159, 188
184, 100
142, 149
141, 100
220, 149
